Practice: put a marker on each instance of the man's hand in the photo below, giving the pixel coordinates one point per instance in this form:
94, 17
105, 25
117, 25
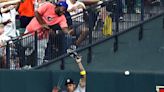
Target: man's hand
71, 32
68, 31
78, 59
46, 27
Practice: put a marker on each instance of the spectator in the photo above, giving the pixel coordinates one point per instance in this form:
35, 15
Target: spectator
71, 85
7, 26
130, 6
2, 10
46, 15
26, 14
138, 6
81, 29
148, 6
120, 9
55, 47
133, 6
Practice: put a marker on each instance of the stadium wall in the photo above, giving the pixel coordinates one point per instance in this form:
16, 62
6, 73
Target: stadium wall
43, 81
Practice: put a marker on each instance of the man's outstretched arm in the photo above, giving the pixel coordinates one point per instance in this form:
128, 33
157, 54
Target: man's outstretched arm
82, 72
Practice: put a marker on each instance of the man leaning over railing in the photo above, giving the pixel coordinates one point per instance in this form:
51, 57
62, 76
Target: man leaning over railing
48, 14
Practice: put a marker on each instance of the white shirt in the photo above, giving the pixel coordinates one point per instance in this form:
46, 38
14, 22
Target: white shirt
78, 17
80, 89
10, 28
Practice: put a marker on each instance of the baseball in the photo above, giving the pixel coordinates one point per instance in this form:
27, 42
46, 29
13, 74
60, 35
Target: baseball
127, 72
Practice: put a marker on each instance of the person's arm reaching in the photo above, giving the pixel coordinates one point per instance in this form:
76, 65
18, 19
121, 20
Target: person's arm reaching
39, 13
40, 20
64, 26
68, 31
82, 72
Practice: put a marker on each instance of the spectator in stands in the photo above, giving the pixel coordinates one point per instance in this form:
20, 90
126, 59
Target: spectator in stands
133, 6
7, 24
149, 5
26, 14
6, 3
120, 9
71, 85
68, 40
138, 6
55, 47
130, 6
81, 29
47, 15
7, 20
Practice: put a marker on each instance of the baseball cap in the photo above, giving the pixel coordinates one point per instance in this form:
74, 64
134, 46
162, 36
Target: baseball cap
69, 81
62, 3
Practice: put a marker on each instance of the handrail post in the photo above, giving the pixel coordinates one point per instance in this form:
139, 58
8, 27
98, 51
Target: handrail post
89, 59
62, 36
115, 45
142, 19
36, 48
141, 33
163, 22
7, 55
62, 65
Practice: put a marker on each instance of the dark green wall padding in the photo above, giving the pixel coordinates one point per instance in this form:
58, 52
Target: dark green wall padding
43, 81
25, 81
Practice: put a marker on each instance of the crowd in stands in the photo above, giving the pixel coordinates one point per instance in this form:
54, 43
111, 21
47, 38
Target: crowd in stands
49, 17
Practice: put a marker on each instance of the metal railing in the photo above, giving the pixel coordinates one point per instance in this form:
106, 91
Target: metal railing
24, 50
